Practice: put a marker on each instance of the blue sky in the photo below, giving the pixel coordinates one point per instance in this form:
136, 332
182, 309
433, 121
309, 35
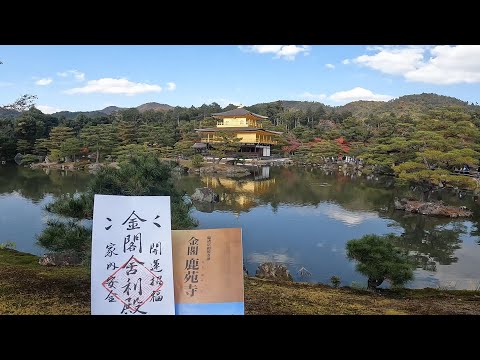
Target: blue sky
79, 78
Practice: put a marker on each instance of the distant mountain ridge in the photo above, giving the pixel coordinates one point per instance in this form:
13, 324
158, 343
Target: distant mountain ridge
154, 106
412, 106
111, 109
403, 105
8, 113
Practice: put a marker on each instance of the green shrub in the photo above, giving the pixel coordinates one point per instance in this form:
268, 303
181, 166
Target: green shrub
70, 236
29, 159
197, 161
8, 245
380, 260
335, 280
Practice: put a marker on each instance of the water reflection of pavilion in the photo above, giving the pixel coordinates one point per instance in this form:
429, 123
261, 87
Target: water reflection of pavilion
263, 173
238, 186
239, 194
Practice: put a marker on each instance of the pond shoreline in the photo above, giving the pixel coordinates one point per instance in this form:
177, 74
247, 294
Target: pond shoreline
73, 166
300, 217
29, 288
348, 168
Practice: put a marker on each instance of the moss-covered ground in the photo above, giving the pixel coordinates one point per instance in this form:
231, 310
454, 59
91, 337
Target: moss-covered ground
29, 288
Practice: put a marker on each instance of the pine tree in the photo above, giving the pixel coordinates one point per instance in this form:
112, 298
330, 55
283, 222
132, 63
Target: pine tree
127, 133
58, 135
71, 147
380, 260
228, 143
25, 131
101, 138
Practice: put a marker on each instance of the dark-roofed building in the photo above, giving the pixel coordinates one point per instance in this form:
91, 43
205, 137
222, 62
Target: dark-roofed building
247, 126
200, 148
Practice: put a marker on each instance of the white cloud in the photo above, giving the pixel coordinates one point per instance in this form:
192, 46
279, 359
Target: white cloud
336, 212
78, 75
308, 95
46, 109
350, 218
330, 66
441, 65
263, 49
287, 52
449, 65
344, 97
114, 86
43, 82
346, 62
290, 51
393, 61
358, 93
171, 86
374, 48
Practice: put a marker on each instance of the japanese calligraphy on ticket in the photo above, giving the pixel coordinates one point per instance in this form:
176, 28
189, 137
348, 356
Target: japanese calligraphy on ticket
132, 270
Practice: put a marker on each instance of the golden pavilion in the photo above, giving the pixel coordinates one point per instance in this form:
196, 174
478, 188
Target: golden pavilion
247, 126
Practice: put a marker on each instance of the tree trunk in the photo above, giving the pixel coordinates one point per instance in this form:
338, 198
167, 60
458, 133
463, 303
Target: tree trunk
426, 190
374, 283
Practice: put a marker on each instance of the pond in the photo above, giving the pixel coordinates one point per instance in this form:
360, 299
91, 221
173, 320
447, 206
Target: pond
296, 216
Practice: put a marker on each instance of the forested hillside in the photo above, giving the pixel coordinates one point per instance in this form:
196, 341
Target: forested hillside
418, 137
109, 110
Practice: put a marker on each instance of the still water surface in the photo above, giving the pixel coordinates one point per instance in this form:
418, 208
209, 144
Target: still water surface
299, 217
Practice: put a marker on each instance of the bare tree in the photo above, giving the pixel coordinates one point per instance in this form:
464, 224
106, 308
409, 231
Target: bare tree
23, 103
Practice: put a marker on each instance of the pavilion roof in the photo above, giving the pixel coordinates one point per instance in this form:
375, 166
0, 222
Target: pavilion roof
238, 129
238, 112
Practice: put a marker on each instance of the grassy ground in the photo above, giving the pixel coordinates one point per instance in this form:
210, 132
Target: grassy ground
266, 297
28, 288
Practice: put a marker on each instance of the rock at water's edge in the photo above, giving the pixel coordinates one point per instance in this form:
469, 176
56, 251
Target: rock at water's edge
431, 208
205, 195
273, 271
60, 259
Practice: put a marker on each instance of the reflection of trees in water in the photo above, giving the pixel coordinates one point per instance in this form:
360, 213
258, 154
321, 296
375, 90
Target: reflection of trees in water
454, 198
445, 240
299, 186
428, 239
35, 184
475, 219
424, 236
